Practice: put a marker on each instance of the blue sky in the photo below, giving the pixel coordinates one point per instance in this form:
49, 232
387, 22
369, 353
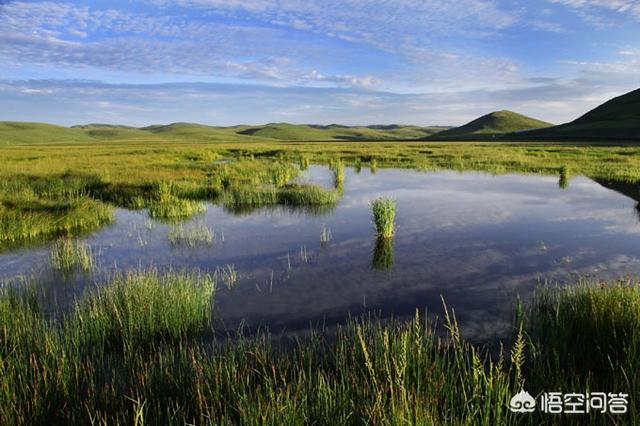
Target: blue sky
427, 62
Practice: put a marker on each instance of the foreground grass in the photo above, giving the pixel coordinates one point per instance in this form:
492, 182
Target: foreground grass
135, 351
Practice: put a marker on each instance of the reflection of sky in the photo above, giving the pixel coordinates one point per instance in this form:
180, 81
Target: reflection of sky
474, 238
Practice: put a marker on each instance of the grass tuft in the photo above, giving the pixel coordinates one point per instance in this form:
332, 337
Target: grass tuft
384, 214
68, 255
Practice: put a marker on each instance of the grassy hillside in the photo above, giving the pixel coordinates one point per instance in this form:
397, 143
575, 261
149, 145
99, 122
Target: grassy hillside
286, 131
24, 132
112, 132
194, 132
618, 118
491, 126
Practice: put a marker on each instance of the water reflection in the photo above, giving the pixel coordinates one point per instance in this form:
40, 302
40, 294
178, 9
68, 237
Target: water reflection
474, 238
382, 259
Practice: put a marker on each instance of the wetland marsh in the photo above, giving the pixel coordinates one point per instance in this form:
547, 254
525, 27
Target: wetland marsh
232, 258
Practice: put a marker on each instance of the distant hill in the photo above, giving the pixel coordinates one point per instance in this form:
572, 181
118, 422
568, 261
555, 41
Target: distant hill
491, 126
309, 132
26, 132
617, 119
111, 131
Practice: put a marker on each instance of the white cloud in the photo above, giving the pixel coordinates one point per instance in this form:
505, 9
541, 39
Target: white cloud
256, 40
591, 10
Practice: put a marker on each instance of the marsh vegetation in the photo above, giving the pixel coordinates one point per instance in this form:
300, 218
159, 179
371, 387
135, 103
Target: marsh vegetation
137, 348
144, 346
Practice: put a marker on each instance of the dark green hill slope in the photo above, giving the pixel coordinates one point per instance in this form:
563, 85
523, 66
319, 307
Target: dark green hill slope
617, 119
491, 126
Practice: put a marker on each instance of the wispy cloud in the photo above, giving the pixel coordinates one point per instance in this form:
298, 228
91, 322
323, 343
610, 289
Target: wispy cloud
592, 10
73, 101
285, 42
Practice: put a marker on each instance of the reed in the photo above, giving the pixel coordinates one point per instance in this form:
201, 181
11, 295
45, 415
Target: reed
68, 255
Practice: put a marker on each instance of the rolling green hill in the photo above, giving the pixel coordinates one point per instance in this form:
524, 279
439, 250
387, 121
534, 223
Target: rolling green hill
25, 132
618, 119
286, 131
112, 132
491, 126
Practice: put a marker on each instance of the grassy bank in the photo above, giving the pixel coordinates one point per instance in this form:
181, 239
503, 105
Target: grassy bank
137, 351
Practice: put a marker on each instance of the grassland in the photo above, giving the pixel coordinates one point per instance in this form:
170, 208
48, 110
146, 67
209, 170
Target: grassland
141, 350
49, 190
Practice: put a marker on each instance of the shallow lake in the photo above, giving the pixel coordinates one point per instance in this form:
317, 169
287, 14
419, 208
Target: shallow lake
475, 239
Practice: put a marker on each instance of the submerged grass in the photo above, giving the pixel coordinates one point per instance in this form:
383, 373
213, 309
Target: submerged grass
68, 255
384, 216
191, 235
134, 350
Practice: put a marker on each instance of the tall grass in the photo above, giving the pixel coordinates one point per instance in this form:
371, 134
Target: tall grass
68, 255
384, 215
587, 337
138, 307
136, 349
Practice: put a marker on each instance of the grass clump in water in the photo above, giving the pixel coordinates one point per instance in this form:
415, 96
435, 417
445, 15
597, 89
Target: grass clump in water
337, 166
192, 235
176, 209
306, 195
141, 306
32, 219
563, 182
68, 255
384, 214
229, 275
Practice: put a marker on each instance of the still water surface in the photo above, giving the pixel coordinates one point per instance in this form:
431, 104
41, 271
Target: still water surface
475, 239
